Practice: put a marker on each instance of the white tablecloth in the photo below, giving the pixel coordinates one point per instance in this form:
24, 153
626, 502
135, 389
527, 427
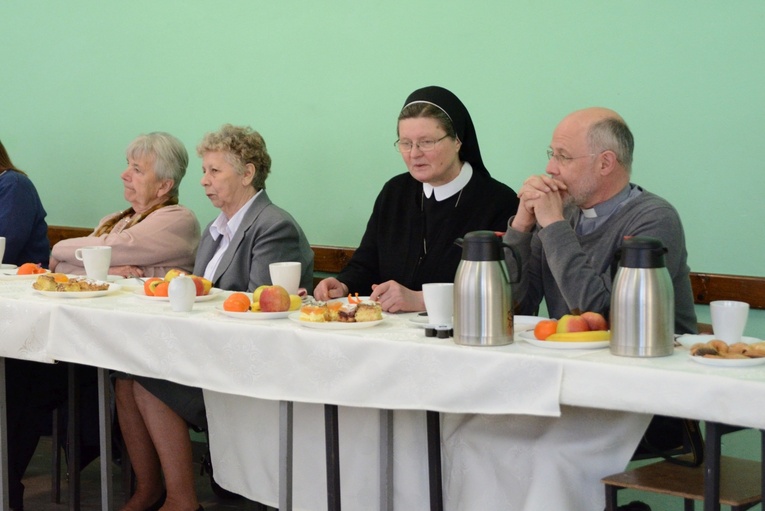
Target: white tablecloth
521, 441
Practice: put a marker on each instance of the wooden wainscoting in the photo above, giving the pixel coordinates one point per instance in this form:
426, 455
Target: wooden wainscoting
707, 287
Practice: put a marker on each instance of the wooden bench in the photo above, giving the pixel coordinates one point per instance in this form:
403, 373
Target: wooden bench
329, 260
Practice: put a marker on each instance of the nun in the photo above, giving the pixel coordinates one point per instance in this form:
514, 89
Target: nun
445, 193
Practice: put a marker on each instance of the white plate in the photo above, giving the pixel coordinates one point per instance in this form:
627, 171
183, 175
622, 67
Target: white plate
728, 362
560, 345
254, 315
333, 325
10, 274
130, 284
523, 323
344, 299
214, 292
79, 294
689, 340
8, 266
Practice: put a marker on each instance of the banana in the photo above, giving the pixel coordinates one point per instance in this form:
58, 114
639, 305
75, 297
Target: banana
591, 336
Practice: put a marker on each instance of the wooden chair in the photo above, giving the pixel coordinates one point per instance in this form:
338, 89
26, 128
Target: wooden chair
735, 482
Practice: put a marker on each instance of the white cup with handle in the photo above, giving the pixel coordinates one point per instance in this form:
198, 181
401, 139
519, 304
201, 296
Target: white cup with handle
287, 275
2, 249
96, 261
439, 302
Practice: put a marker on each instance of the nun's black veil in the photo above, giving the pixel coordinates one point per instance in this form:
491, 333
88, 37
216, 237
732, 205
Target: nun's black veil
463, 124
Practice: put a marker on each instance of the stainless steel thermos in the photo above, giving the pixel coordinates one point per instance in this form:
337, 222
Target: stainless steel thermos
483, 305
642, 316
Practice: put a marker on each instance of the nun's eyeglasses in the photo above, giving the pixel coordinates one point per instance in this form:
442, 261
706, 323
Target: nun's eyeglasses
405, 146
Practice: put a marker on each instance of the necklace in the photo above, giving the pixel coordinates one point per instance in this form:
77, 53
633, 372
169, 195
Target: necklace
424, 222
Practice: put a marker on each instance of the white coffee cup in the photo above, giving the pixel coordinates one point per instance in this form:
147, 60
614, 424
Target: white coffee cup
2, 249
287, 275
729, 319
96, 261
439, 302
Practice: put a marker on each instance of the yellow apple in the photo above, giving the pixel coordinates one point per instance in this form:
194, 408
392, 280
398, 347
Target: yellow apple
171, 274
295, 302
256, 293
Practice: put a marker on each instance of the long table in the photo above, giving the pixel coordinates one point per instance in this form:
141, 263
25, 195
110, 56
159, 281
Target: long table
520, 423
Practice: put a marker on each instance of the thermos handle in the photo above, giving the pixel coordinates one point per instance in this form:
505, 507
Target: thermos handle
615, 264
517, 258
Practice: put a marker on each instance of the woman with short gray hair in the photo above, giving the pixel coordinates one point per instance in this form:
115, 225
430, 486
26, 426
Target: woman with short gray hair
155, 234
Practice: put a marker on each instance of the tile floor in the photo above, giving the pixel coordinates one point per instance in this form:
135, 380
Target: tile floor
37, 496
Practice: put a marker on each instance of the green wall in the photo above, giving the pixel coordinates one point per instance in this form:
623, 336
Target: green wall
323, 82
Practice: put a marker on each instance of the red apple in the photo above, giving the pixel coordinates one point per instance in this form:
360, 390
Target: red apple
595, 321
572, 323
274, 299
199, 285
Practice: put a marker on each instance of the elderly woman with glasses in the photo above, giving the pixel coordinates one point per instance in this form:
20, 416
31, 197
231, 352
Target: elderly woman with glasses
446, 193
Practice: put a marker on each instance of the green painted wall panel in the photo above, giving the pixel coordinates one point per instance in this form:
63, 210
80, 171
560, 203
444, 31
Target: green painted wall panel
323, 82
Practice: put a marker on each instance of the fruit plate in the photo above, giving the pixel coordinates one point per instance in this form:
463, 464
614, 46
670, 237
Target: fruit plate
689, 340
213, 294
728, 362
8, 266
528, 336
10, 274
79, 294
333, 325
249, 315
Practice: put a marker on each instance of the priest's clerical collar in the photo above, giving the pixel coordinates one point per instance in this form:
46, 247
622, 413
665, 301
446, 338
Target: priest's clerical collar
453, 187
605, 209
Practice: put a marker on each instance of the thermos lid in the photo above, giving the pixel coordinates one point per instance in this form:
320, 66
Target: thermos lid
481, 246
642, 252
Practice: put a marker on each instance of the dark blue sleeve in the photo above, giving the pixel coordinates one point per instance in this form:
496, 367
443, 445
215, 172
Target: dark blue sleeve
20, 214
